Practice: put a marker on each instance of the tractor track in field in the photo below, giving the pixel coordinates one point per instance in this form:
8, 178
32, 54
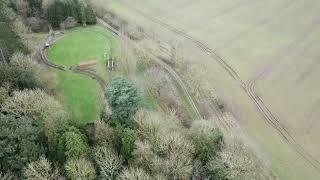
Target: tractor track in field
204, 47
249, 89
272, 119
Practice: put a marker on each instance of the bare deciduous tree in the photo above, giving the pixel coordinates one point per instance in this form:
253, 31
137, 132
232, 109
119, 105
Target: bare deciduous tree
104, 135
109, 163
80, 169
134, 173
41, 169
243, 163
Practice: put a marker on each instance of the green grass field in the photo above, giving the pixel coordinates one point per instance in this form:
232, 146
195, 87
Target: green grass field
81, 95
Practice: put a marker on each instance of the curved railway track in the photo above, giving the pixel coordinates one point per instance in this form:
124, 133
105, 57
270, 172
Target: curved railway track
92, 75
249, 89
88, 73
48, 63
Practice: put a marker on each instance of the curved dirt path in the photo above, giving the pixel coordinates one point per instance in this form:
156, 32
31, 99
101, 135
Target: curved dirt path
247, 87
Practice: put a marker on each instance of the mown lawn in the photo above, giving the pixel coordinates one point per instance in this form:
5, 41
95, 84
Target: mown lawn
81, 95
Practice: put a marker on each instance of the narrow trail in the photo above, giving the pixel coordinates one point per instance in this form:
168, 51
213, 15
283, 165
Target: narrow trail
168, 68
268, 116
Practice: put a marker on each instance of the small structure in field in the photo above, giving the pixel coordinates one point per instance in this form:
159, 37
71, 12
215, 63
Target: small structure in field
87, 64
111, 64
47, 45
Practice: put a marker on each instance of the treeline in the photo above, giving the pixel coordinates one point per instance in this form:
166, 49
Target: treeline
37, 15
40, 141
59, 11
9, 39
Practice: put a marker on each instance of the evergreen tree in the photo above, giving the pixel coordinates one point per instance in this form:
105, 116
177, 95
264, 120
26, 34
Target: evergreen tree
90, 15
60, 10
55, 13
124, 99
35, 8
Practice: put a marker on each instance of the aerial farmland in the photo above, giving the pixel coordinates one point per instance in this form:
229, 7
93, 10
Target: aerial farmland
160, 89
261, 56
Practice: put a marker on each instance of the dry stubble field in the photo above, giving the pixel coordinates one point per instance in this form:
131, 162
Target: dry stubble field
263, 55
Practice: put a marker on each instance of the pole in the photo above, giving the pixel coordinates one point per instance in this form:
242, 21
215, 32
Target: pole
2, 55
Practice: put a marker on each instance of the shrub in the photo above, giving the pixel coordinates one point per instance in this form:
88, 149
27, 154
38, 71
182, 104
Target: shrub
41, 169
25, 79
124, 99
55, 127
104, 135
4, 94
20, 142
132, 173
80, 169
207, 141
18, 78
7, 176
76, 144
126, 138
34, 103
217, 169
24, 62
42, 77
108, 162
